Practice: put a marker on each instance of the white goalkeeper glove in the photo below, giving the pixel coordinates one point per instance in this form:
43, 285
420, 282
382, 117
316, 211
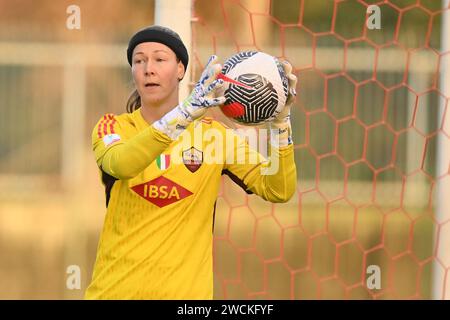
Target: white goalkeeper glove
195, 106
280, 127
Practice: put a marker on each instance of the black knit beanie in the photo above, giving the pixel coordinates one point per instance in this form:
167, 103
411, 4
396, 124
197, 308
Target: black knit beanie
162, 35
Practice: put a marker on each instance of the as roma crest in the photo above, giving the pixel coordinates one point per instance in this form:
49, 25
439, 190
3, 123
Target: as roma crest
192, 159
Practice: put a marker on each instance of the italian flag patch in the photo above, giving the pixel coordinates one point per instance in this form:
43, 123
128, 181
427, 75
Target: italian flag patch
163, 161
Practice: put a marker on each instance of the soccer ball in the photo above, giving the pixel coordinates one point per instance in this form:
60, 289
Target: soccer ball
255, 87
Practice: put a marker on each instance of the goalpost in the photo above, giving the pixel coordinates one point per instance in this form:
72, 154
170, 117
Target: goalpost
176, 14
441, 276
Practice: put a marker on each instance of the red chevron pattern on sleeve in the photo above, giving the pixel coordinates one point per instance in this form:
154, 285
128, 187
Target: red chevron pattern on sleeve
108, 121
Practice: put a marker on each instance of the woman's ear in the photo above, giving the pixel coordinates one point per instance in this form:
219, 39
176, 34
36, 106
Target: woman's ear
180, 71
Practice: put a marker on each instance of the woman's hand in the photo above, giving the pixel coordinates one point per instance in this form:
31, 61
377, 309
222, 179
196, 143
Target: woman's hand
292, 79
203, 94
280, 127
195, 106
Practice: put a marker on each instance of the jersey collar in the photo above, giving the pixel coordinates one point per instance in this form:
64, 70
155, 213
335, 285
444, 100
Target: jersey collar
137, 115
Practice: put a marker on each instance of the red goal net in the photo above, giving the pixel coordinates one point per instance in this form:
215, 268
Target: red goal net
369, 125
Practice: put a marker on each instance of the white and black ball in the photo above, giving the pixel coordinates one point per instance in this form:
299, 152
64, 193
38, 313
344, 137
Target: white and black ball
255, 87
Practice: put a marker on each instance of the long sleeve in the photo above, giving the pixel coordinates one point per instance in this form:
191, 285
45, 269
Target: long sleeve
274, 180
122, 157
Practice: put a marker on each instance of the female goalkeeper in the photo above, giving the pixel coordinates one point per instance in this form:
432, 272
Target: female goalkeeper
157, 237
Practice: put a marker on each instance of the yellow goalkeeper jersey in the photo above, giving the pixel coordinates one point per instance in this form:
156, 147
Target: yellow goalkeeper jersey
157, 237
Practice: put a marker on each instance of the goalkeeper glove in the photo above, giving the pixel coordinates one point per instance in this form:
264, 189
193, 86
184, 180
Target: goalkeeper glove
195, 106
280, 127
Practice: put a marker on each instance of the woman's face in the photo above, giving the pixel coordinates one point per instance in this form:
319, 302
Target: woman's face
156, 72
